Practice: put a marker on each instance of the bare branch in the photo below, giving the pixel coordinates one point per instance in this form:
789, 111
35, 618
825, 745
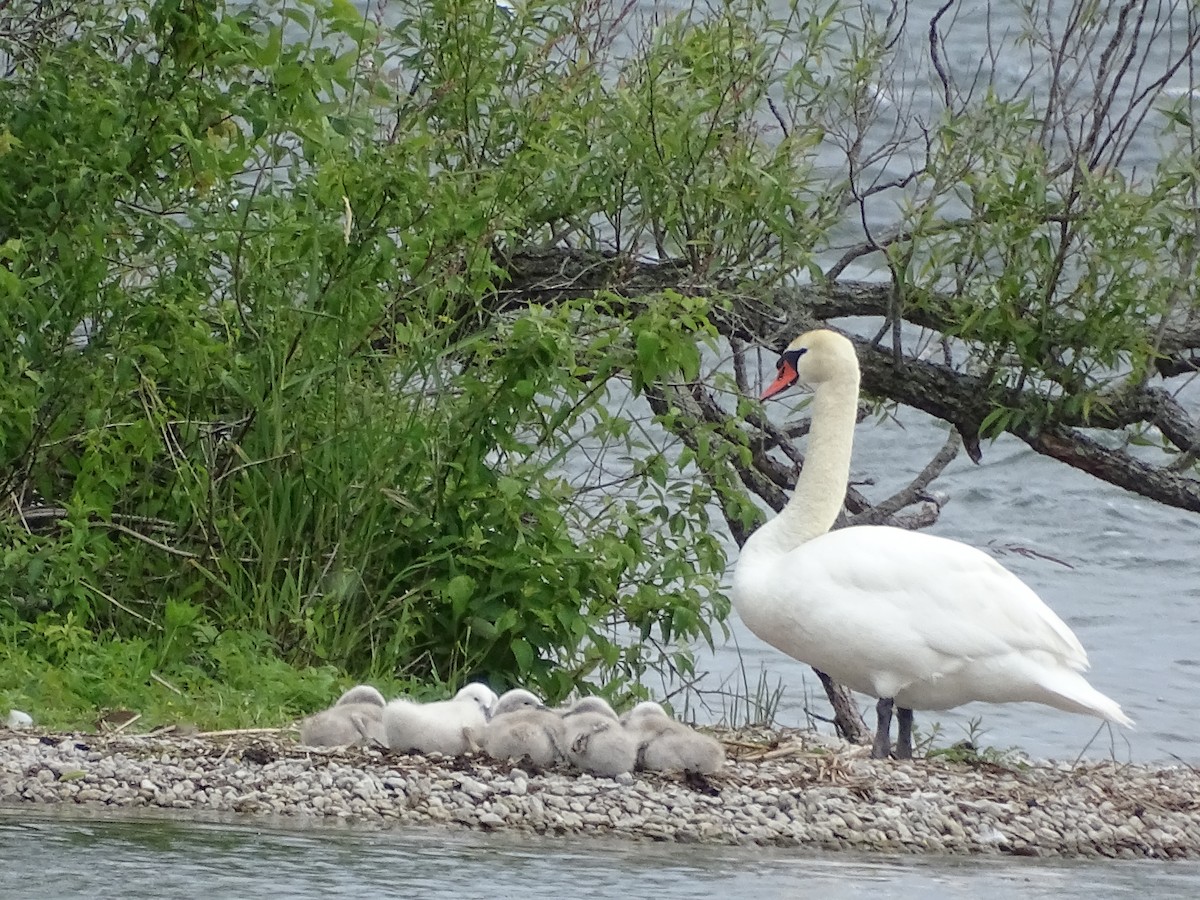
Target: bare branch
880, 513
847, 720
960, 398
935, 55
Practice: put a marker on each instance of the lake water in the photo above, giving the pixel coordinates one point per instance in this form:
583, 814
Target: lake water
51, 857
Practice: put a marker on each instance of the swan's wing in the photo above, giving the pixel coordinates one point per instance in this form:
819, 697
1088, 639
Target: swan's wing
918, 596
957, 598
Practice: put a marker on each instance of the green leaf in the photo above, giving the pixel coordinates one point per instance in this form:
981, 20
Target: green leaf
523, 654
460, 590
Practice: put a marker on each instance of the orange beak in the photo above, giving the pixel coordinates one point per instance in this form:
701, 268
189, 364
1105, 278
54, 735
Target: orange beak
785, 379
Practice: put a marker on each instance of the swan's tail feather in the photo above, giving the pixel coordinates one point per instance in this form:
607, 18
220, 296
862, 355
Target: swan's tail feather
1074, 694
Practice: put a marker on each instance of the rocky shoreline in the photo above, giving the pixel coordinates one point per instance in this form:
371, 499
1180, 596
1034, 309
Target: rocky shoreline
788, 788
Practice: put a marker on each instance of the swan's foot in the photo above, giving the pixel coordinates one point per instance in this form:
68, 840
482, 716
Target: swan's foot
904, 723
882, 748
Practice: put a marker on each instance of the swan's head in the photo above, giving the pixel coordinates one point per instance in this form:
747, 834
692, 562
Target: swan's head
362, 693
479, 694
516, 700
814, 357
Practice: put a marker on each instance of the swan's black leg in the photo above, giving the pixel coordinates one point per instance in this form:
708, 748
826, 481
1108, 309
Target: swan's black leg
903, 733
882, 748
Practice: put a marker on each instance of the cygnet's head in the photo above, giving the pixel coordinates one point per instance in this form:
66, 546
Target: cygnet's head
592, 705
480, 694
646, 711
516, 700
813, 358
362, 693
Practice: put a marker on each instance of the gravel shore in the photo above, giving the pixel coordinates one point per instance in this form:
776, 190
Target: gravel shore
785, 789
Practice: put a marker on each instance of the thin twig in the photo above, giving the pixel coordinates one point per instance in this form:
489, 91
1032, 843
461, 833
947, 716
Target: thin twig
119, 605
119, 728
170, 687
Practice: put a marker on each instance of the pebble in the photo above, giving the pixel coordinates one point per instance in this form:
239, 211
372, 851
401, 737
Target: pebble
819, 795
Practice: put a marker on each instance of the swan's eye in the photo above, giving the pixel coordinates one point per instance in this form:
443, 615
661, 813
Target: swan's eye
790, 358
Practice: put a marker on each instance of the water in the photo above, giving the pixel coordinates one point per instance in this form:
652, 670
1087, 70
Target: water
73, 856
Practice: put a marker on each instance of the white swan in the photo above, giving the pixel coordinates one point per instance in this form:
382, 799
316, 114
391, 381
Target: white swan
357, 717
444, 726
522, 726
665, 745
918, 621
595, 741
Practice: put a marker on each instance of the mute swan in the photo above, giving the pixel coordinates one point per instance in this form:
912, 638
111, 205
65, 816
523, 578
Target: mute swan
444, 726
921, 622
357, 717
522, 726
665, 745
595, 741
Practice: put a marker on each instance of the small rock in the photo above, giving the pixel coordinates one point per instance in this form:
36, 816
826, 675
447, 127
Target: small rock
473, 788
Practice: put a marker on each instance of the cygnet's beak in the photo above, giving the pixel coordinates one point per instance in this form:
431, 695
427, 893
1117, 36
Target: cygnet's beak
785, 379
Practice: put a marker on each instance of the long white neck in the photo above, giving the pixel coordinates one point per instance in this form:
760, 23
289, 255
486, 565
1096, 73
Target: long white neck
821, 486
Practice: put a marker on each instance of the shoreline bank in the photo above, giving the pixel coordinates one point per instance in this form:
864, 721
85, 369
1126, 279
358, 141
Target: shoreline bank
793, 789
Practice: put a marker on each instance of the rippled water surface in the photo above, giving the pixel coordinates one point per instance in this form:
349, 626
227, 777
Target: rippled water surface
52, 857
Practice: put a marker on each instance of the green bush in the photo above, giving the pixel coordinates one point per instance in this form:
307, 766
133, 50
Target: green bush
258, 373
